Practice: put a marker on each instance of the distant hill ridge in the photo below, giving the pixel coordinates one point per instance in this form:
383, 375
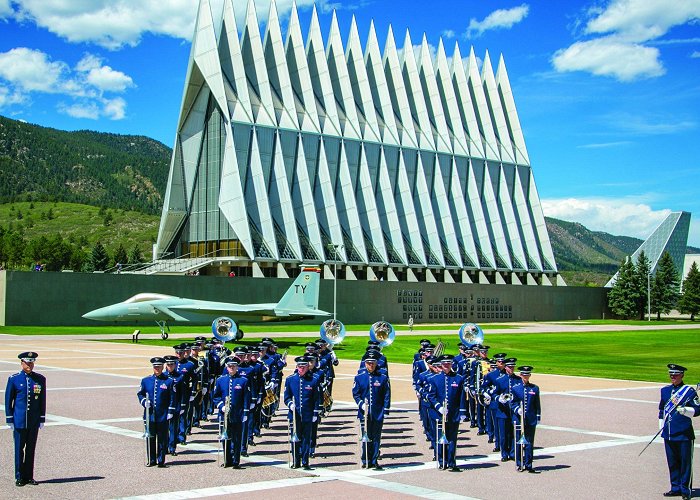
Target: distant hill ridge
129, 172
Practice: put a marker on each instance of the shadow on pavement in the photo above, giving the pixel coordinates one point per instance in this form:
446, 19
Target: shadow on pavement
78, 479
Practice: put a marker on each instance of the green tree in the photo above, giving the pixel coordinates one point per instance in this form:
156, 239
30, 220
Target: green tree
624, 295
664, 292
99, 258
120, 256
14, 249
689, 302
135, 256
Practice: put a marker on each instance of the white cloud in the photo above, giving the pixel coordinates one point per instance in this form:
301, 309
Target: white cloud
448, 34
608, 56
628, 25
31, 70
695, 54
643, 20
498, 19
5, 9
24, 71
615, 216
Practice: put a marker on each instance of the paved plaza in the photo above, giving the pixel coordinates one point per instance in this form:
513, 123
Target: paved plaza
587, 445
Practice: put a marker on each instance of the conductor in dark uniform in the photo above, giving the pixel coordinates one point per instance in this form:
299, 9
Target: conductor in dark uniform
25, 411
678, 403
303, 397
157, 396
372, 393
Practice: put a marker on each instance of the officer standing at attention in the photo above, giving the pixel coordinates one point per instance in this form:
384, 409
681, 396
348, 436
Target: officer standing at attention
678, 403
187, 369
157, 396
177, 403
503, 394
303, 397
526, 410
232, 398
25, 411
372, 393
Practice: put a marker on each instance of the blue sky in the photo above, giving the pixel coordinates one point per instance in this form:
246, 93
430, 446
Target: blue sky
607, 91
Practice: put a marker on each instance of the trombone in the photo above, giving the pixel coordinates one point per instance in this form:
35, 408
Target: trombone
522, 442
443, 441
364, 438
294, 438
223, 433
147, 431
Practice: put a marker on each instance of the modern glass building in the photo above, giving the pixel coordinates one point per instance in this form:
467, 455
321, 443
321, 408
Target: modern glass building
385, 164
671, 236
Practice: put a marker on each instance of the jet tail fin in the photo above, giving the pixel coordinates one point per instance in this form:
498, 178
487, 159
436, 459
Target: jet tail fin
303, 294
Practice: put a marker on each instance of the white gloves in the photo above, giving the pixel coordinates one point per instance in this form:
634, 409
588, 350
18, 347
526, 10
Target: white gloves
147, 403
204, 391
314, 419
462, 418
503, 399
170, 415
686, 411
41, 426
291, 406
182, 411
11, 426
661, 423
443, 410
518, 411
487, 399
362, 407
192, 398
245, 418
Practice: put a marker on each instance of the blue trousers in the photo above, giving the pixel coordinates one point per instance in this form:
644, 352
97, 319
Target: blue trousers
525, 450
232, 445
374, 433
302, 449
447, 453
157, 442
25, 444
679, 456
184, 424
505, 437
173, 427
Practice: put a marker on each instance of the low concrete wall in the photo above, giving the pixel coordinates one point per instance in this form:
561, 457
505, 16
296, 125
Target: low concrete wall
43, 298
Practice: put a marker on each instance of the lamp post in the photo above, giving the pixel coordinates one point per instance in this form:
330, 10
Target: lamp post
649, 295
335, 276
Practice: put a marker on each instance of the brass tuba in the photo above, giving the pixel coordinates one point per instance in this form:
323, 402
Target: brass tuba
224, 329
332, 331
470, 334
382, 332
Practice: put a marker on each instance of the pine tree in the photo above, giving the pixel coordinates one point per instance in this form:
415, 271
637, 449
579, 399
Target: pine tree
135, 256
120, 256
690, 298
624, 294
664, 292
99, 258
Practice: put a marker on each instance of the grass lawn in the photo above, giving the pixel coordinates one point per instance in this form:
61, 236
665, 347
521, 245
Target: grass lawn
632, 355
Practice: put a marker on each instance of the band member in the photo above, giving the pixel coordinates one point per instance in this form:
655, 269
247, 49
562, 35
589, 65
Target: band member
372, 393
187, 369
25, 414
328, 362
503, 394
201, 381
231, 397
156, 395
427, 414
423, 344
526, 414
302, 395
270, 394
478, 370
678, 403
446, 393
490, 403
178, 404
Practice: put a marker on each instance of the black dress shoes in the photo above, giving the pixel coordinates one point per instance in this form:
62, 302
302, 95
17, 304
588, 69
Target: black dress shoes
31, 481
162, 466
20, 482
455, 469
533, 471
504, 459
672, 493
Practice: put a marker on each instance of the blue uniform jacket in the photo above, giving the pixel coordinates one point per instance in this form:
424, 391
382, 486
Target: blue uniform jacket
489, 386
179, 389
160, 391
239, 389
504, 385
187, 369
678, 427
529, 395
376, 390
448, 388
419, 366
25, 400
306, 394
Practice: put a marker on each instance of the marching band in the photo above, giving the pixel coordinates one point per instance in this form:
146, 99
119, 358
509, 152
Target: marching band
243, 387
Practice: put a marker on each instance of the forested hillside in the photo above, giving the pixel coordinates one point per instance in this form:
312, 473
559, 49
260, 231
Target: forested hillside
115, 171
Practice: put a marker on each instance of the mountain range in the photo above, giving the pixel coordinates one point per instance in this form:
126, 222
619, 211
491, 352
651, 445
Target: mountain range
127, 172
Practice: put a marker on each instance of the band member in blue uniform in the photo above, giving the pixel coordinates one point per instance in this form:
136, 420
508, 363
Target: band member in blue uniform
25, 414
527, 412
178, 404
372, 393
157, 396
678, 403
447, 395
503, 394
232, 398
303, 397
490, 403
186, 368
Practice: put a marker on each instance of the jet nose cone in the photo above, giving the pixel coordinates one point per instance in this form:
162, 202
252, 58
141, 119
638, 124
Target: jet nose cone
96, 315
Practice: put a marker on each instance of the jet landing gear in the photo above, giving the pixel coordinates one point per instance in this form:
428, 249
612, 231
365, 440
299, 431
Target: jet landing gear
163, 325
239, 335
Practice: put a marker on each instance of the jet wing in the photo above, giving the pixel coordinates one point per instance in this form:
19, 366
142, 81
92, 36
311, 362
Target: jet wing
225, 308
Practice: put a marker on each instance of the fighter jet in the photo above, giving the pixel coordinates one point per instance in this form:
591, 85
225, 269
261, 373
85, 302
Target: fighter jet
299, 302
